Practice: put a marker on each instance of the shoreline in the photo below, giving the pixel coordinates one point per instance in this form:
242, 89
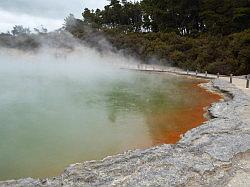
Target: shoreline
215, 153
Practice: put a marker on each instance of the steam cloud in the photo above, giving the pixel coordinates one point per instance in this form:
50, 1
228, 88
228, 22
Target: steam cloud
63, 56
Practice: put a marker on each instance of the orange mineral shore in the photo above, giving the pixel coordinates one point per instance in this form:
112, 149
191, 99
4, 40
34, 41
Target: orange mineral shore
184, 119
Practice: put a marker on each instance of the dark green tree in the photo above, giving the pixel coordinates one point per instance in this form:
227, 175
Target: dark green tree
20, 30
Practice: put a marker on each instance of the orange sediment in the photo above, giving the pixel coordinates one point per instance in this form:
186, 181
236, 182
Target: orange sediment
181, 120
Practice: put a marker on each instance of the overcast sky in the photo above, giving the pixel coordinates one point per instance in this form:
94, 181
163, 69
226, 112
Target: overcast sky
49, 13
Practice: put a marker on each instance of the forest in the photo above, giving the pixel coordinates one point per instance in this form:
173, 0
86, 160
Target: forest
203, 35
207, 35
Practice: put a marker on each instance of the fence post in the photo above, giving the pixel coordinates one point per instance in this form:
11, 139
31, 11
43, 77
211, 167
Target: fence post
218, 75
196, 73
231, 78
206, 73
187, 72
247, 85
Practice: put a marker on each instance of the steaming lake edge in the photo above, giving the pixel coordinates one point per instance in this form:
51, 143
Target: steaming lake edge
133, 112
202, 149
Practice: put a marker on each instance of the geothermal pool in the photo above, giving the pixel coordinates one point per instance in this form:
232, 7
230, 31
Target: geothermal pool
53, 115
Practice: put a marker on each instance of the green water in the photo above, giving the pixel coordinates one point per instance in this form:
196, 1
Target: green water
53, 116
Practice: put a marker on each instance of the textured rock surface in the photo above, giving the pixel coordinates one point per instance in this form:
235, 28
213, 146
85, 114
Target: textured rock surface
215, 154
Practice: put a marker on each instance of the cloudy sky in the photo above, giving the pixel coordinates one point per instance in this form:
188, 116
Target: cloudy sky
49, 13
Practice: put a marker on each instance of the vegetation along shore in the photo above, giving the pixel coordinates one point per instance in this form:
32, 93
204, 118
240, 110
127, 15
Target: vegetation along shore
206, 35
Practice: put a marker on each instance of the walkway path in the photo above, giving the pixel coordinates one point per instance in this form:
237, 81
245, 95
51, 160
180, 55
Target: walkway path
239, 81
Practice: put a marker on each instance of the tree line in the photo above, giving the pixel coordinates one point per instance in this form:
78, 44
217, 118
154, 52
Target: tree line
185, 17
204, 35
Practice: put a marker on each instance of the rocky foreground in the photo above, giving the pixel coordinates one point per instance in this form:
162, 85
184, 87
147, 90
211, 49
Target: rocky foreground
215, 154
